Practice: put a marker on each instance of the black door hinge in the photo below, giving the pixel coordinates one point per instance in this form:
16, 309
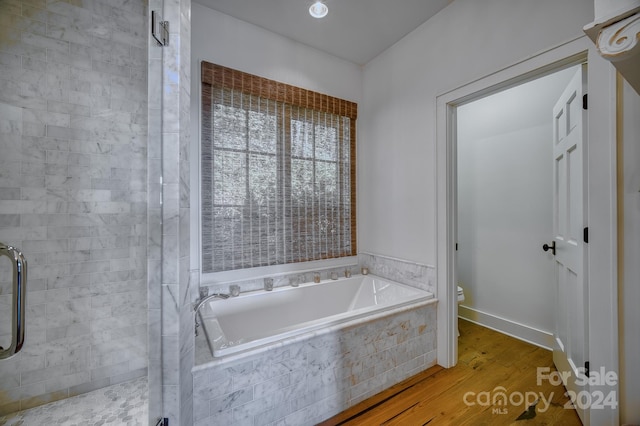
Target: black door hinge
585, 235
585, 101
586, 368
456, 246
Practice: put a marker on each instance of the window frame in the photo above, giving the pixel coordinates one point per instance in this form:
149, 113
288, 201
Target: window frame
300, 98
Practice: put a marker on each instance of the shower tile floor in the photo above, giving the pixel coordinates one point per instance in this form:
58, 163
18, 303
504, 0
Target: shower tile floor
121, 404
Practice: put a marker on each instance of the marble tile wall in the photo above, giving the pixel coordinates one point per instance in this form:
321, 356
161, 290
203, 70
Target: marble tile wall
154, 224
311, 380
176, 313
73, 193
399, 270
188, 279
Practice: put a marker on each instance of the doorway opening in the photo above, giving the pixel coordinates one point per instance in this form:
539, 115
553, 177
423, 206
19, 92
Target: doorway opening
521, 180
600, 206
504, 208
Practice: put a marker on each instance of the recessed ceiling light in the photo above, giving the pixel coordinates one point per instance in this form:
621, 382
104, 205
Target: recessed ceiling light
318, 10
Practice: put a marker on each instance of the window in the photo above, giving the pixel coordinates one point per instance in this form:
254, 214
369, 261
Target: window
278, 173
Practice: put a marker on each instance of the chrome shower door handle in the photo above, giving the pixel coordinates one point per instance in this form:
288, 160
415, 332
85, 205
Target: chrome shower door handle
19, 264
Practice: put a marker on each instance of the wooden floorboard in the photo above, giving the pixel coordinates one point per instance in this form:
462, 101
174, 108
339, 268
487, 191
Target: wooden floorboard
489, 363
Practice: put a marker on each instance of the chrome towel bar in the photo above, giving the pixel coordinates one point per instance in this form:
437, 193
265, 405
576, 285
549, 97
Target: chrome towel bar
19, 299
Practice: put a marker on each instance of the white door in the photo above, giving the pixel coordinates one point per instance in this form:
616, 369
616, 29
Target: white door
569, 222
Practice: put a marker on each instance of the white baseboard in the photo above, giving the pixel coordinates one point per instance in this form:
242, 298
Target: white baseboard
523, 332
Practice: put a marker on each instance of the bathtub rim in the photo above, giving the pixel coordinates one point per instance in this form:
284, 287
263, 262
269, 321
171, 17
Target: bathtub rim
217, 361
220, 346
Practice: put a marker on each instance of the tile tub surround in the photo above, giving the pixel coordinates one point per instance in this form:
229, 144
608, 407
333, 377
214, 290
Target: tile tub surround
403, 271
308, 379
73, 193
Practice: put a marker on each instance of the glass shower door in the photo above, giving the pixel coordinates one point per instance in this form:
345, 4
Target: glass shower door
154, 210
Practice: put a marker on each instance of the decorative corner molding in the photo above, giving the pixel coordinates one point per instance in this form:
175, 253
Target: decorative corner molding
620, 40
617, 39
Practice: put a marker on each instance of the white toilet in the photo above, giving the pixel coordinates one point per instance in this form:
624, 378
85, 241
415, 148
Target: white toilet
460, 300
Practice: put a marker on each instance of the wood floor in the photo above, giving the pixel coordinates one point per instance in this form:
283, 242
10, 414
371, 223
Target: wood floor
469, 393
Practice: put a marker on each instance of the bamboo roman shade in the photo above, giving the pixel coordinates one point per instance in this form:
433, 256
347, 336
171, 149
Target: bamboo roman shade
278, 172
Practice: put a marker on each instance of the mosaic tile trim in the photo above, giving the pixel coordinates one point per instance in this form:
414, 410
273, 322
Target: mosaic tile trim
121, 404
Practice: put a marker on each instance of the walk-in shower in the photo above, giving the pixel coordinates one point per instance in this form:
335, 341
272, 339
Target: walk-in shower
75, 154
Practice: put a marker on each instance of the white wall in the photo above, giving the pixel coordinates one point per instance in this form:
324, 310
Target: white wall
224, 40
505, 215
467, 40
629, 291
605, 8
227, 41
505, 207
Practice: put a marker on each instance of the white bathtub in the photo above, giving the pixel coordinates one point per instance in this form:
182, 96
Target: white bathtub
259, 318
